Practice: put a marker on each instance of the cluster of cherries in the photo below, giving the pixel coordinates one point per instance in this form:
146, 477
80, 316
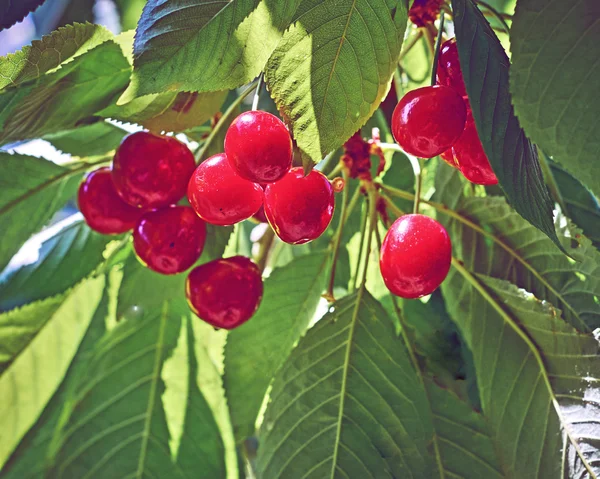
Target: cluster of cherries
437, 120
150, 174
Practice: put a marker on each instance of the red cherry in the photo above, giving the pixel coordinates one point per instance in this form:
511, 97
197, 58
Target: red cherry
299, 208
471, 158
103, 209
151, 171
448, 157
448, 71
260, 215
427, 121
220, 196
259, 147
169, 240
225, 292
415, 256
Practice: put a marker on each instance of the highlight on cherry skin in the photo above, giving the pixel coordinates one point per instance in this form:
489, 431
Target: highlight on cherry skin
169, 240
415, 256
258, 146
219, 195
225, 292
151, 171
427, 121
103, 209
299, 208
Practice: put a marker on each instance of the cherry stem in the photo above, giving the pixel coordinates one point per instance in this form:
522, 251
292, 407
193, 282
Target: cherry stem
551, 181
265, 246
416, 166
372, 202
223, 121
363, 230
337, 168
436, 51
338, 236
412, 41
495, 13
261, 80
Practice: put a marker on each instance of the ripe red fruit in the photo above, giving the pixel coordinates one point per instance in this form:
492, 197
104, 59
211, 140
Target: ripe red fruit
471, 158
103, 209
259, 147
225, 292
151, 171
299, 208
427, 121
219, 195
169, 240
415, 256
448, 71
448, 157
260, 215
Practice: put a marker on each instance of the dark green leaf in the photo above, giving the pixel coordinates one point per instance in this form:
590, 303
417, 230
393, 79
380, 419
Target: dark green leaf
48, 53
347, 403
555, 48
333, 67
490, 238
52, 337
129, 12
64, 259
581, 205
255, 350
236, 39
485, 65
12, 12
77, 11
528, 360
90, 140
31, 191
65, 98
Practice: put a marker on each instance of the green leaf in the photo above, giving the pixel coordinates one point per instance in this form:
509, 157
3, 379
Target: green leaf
63, 260
527, 361
90, 140
51, 51
13, 12
554, 82
28, 461
255, 350
333, 67
236, 39
39, 367
484, 64
31, 191
490, 238
65, 98
347, 402
465, 444
129, 12
122, 400
580, 204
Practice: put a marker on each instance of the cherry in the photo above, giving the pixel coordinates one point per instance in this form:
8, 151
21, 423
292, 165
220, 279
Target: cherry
169, 240
103, 209
225, 292
471, 158
415, 256
427, 121
260, 215
448, 157
220, 196
151, 171
259, 147
299, 208
448, 71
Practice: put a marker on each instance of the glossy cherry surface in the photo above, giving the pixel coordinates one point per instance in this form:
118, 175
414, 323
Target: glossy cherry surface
471, 158
220, 196
103, 209
259, 147
449, 72
415, 256
169, 240
151, 171
225, 292
427, 121
299, 208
